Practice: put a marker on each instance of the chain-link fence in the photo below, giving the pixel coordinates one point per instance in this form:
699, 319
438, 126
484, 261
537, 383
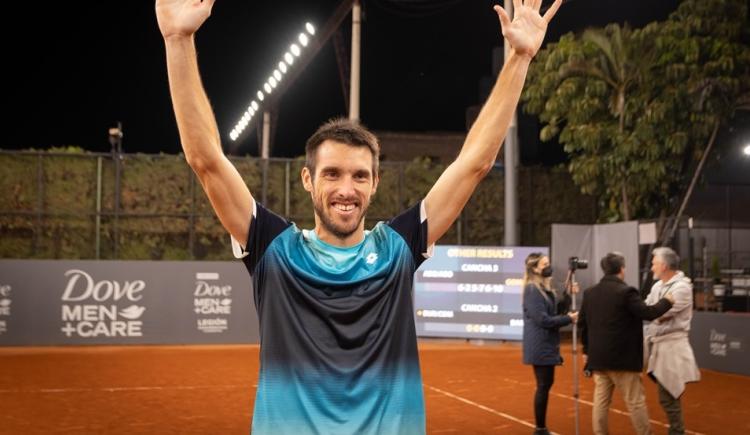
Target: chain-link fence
137, 206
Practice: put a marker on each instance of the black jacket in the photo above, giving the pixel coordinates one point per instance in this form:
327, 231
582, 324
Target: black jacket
611, 322
543, 316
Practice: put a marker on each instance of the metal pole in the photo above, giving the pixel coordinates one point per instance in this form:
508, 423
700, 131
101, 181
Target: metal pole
356, 54
510, 152
691, 255
115, 136
191, 233
459, 225
266, 144
401, 167
264, 153
39, 201
729, 222
571, 281
98, 207
286, 190
115, 232
693, 181
704, 256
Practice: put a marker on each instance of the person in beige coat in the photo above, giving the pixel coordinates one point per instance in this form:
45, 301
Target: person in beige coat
669, 357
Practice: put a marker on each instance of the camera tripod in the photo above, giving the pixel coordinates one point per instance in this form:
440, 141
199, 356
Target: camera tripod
569, 282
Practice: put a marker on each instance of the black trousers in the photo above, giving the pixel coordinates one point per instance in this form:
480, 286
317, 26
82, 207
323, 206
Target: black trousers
545, 377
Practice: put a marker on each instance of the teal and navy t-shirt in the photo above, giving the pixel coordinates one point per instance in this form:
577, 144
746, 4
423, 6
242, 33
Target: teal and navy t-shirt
338, 351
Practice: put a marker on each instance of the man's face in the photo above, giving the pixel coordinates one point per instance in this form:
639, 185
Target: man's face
658, 267
341, 187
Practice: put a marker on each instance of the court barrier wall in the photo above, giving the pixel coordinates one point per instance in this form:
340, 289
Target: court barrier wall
61, 302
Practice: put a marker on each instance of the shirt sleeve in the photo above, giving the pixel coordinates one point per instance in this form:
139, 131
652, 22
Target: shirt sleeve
411, 225
265, 226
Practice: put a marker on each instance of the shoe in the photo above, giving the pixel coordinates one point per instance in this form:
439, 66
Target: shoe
541, 431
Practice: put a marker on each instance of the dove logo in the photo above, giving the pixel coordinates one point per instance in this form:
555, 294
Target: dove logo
132, 312
91, 312
211, 298
5, 300
203, 289
100, 291
213, 306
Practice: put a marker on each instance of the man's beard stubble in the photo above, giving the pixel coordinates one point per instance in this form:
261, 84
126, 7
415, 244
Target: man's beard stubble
335, 229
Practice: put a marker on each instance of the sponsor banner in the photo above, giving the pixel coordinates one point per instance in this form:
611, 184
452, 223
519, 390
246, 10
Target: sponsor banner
58, 302
720, 341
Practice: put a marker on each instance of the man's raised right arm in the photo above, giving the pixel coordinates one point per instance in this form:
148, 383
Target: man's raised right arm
199, 134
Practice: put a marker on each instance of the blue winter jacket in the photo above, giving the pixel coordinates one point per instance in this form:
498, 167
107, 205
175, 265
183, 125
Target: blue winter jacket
541, 326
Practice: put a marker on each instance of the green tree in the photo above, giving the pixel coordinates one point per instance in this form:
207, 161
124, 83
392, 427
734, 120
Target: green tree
637, 109
705, 47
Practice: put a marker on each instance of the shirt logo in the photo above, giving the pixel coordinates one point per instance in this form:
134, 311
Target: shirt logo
372, 258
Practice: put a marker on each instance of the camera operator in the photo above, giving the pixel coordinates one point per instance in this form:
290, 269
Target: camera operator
611, 321
542, 319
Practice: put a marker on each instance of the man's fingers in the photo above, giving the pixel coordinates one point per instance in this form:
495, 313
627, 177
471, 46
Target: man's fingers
517, 5
504, 18
552, 10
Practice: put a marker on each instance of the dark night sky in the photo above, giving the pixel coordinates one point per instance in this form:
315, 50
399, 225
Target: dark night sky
79, 67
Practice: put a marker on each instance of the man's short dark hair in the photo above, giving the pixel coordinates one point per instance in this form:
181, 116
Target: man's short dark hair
344, 131
613, 263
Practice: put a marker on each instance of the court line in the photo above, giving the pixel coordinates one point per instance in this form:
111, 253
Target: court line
586, 402
618, 411
209, 387
484, 408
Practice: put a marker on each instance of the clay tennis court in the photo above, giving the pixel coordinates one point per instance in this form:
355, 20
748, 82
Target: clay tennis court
469, 389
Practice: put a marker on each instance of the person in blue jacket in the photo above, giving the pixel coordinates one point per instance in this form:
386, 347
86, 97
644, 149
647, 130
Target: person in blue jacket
544, 313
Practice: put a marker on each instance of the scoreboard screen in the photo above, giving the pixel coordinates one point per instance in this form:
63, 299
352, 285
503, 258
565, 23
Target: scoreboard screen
471, 292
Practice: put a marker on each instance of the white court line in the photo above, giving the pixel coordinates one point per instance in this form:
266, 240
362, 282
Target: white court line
118, 389
209, 387
617, 411
484, 408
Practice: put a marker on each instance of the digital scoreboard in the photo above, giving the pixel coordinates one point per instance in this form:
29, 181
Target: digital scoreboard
471, 292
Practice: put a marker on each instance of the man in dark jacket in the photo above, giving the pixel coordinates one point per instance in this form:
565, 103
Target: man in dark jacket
611, 320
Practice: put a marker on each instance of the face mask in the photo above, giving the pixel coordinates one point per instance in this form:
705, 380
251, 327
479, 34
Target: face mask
547, 272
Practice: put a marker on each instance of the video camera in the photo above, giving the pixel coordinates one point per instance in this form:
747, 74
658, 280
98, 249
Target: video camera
575, 263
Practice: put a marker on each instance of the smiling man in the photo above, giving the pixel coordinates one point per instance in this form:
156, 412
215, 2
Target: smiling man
338, 347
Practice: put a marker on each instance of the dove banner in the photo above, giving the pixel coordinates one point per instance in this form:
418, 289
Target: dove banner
59, 302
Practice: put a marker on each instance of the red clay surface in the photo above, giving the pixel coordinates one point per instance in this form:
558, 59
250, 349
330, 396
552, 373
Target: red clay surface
210, 390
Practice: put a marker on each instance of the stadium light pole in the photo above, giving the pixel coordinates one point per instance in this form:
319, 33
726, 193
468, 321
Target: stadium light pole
355, 65
262, 95
266, 135
510, 152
